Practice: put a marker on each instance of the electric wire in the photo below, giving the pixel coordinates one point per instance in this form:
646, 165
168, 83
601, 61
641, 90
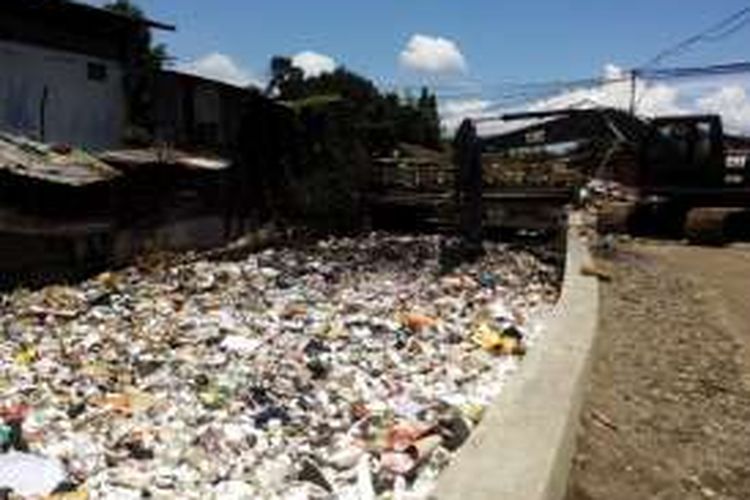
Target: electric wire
717, 32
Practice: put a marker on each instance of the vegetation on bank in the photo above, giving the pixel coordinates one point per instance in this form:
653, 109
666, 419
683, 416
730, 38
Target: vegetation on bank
309, 159
146, 59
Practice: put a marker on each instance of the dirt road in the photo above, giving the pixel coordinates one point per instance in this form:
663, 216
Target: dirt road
668, 411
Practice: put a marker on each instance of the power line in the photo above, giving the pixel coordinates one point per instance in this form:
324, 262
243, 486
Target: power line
725, 28
514, 91
504, 101
712, 70
521, 90
504, 94
719, 31
699, 72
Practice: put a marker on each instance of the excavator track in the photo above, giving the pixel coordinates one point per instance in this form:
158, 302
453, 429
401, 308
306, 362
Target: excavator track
709, 225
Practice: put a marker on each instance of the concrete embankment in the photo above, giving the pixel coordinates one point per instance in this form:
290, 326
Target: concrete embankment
523, 448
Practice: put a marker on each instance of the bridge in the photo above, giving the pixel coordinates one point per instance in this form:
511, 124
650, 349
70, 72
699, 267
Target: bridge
425, 193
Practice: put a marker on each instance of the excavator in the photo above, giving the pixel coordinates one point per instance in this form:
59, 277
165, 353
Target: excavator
683, 176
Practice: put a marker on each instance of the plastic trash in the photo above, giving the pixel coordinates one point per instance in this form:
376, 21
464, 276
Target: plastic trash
311, 473
398, 463
320, 371
29, 475
422, 449
240, 345
365, 488
417, 322
497, 341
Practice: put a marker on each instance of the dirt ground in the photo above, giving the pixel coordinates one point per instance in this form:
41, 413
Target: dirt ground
668, 411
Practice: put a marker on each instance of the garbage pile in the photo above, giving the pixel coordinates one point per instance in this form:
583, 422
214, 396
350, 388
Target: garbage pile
600, 192
350, 368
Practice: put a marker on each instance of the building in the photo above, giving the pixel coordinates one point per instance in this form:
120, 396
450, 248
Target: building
63, 71
77, 194
196, 113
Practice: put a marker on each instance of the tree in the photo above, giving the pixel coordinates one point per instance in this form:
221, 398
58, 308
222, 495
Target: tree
126, 8
144, 61
381, 120
156, 55
430, 118
286, 79
309, 159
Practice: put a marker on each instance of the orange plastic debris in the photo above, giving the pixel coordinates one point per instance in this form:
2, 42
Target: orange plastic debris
403, 434
417, 322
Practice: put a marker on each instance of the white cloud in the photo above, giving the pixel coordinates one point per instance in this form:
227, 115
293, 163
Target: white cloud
730, 100
454, 111
613, 72
661, 99
433, 55
732, 103
651, 99
314, 64
221, 67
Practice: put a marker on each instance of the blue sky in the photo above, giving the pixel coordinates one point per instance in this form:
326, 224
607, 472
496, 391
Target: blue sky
501, 40
495, 40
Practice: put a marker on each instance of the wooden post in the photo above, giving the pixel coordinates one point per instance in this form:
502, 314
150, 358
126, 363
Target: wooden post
43, 114
469, 188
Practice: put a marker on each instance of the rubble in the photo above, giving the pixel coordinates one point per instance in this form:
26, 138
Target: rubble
345, 369
599, 192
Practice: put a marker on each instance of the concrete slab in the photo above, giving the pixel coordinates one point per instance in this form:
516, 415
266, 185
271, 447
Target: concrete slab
523, 448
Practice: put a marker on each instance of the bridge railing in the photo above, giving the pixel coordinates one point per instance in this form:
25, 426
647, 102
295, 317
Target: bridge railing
412, 174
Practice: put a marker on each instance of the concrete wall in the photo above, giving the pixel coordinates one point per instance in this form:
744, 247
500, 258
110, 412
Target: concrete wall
79, 110
198, 233
35, 259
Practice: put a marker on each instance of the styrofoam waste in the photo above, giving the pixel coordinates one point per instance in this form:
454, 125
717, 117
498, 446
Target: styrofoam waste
341, 369
30, 475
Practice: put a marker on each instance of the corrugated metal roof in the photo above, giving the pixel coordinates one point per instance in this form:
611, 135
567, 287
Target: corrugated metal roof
130, 158
77, 8
148, 22
69, 166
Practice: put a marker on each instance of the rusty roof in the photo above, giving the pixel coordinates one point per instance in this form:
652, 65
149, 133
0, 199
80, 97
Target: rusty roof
166, 156
68, 166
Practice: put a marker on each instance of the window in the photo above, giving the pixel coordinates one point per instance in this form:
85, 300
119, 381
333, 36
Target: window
97, 72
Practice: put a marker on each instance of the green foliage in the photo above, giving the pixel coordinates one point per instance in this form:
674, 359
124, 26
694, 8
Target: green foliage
145, 60
159, 56
383, 120
155, 56
125, 8
286, 79
307, 157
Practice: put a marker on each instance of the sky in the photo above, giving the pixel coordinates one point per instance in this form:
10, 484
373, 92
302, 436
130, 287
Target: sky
470, 45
